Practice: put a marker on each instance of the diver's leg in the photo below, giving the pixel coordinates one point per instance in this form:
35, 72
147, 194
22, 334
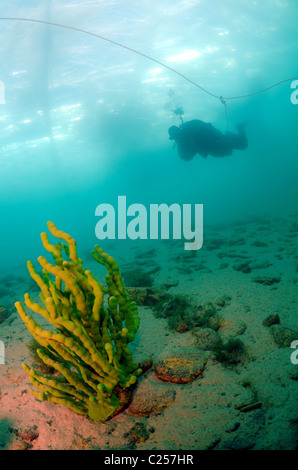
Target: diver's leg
236, 141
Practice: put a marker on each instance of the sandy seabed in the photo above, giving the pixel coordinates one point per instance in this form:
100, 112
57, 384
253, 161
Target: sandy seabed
206, 413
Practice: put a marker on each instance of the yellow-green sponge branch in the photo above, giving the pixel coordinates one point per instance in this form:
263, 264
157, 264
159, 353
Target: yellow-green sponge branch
92, 325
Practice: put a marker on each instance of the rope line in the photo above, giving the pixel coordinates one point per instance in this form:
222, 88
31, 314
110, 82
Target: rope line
221, 98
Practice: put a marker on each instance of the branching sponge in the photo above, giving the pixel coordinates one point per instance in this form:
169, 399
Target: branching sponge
92, 325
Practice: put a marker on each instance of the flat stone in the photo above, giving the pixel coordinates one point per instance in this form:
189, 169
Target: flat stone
232, 328
144, 296
206, 338
28, 435
282, 335
139, 432
151, 398
243, 267
125, 396
266, 281
4, 314
179, 370
271, 320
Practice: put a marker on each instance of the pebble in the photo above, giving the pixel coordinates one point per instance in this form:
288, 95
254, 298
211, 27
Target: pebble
232, 328
151, 398
266, 281
271, 320
206, 338
283, 336
179, 370
139, 432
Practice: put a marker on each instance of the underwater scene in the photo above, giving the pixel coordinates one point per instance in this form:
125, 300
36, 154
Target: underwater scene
149, 225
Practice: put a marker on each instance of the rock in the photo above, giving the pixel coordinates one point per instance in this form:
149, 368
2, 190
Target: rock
179, 370
27, 435
144, 296
271, 320
247, 407
151, 398
139, 432
18, 444
125, 396
266, 281
4, 314
223, 265
206, 338
181, 327
283, 336
243, 267
145, 364
215, 322
232, 328
169, 283
259, 244
223, 301
204, 313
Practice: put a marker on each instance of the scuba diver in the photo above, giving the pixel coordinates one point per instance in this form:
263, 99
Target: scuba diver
196, 136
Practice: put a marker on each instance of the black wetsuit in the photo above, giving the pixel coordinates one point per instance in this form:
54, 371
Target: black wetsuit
196, 136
